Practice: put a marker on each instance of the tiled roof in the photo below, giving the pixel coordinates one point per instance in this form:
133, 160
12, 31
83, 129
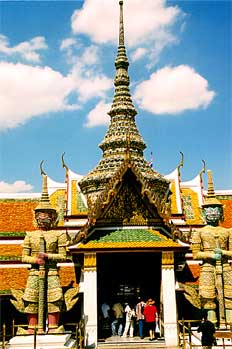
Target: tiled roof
128, 238
10, 250
195, 271
17, 215
173, 189
67, 275
227, 204
12, 278
16, 278
191, 207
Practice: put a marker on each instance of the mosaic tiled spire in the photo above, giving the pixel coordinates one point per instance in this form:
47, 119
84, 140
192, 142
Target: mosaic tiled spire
115, 145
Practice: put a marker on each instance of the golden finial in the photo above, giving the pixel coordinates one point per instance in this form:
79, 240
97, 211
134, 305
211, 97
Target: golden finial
181, 164
121, 26
63, 163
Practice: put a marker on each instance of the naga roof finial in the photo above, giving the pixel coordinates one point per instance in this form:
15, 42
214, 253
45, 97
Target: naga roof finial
63, 163
203, 169
41, 168
121, 25
181, 164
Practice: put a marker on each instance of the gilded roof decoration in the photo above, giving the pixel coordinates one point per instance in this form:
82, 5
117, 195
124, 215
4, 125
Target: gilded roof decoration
129, 199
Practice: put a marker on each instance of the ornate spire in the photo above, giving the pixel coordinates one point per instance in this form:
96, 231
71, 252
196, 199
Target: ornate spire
122, 122
44, 204
121, 26
211, 197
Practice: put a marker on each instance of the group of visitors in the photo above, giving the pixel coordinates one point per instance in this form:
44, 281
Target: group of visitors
123, 320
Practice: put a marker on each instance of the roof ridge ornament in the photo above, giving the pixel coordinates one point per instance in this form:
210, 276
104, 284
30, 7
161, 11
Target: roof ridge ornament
41, 168
203, 169
181, 164
63, 163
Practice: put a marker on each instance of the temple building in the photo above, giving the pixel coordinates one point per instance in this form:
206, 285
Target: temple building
129, 227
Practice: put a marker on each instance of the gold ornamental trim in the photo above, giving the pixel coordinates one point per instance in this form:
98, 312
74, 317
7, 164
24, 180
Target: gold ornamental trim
167, 259
90, 261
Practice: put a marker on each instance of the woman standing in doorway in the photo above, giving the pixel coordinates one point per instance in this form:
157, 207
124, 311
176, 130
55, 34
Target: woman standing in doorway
151, 316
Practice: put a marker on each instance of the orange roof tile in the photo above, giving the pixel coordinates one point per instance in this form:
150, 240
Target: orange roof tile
10, 250
227, 223
16, 278
17, 215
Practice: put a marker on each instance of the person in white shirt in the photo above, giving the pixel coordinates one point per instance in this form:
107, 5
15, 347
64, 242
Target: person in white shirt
129, 325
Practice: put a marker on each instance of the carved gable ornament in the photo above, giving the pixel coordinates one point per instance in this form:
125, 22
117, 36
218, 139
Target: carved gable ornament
125, 204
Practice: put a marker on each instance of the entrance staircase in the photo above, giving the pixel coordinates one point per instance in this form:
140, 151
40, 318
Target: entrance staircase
117, 342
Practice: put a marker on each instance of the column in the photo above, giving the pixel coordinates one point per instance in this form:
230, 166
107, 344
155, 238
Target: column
169, 299
90, 299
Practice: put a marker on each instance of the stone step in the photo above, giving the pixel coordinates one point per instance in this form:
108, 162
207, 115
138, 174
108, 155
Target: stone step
131, 343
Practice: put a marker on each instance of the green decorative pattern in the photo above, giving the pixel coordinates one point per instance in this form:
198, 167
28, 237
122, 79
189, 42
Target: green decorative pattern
128, 235
80, 204
188, 209
10, 258
20, 234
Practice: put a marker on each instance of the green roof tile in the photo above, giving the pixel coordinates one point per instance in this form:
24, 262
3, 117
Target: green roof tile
128, 235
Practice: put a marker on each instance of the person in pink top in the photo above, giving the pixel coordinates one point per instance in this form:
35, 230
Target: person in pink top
151, 316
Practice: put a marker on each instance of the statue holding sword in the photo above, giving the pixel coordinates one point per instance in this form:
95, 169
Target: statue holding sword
213, 245
43, 249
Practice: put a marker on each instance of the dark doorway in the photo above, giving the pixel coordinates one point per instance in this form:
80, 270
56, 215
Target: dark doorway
126, 277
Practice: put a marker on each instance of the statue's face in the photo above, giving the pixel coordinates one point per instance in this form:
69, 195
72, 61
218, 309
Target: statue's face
44, 220
212, 214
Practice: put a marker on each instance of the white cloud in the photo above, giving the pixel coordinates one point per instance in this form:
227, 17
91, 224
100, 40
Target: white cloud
67, 43
138, 53
173, 90
26, 49
27, 91
16, 187
89, 81
148, 24
98, 116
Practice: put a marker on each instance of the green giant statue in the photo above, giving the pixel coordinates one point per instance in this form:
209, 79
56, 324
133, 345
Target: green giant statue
213, 245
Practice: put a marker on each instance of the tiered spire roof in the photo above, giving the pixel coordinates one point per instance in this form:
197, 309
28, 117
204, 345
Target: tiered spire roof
122, 139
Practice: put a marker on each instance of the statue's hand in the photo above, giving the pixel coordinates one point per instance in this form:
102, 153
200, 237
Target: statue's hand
218, 250
43, 255
217, 256
40, 261
226, 253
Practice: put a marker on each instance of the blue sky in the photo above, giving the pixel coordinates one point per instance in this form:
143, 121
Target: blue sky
56, 85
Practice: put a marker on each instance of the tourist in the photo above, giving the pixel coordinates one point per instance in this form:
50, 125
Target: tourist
151, 316
207, 329
105, 308
140, 316
130, 318
117, 324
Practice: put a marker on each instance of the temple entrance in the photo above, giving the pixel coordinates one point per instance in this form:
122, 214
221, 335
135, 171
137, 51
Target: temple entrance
126, 277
